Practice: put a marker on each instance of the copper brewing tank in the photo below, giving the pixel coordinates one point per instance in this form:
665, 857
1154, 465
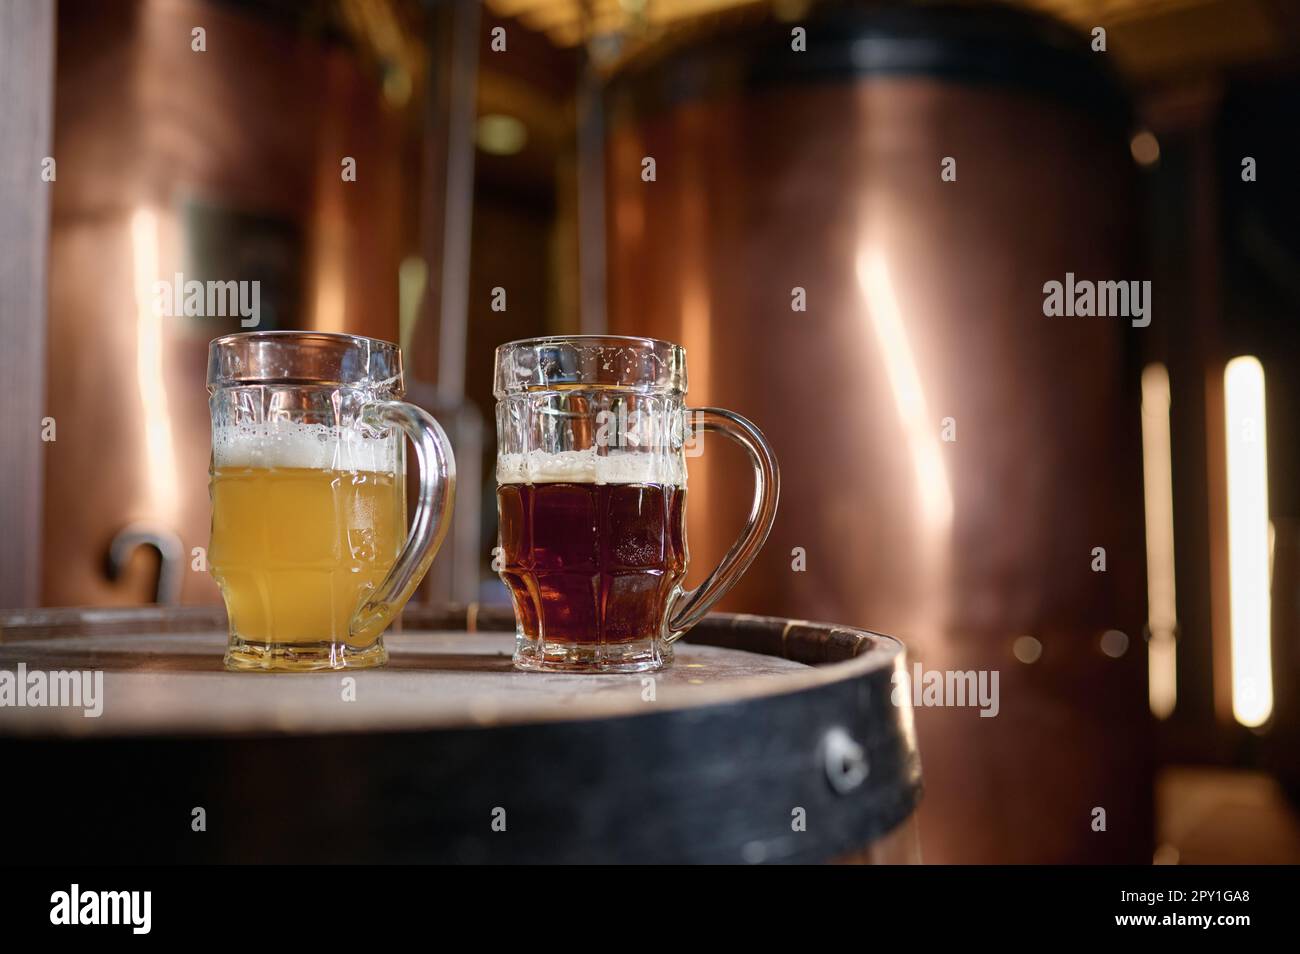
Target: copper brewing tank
950, 457
218, 165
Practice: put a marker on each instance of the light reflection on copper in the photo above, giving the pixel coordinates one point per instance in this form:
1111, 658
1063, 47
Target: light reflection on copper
921, 432
697, 330
327, 307
1157, 482
329, 265
160, 464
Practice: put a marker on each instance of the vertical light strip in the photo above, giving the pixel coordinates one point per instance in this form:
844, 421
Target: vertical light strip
160, 465
1157, 482
1248, 541
919, 427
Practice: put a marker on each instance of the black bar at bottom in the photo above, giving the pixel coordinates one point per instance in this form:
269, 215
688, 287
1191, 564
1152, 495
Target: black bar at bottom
332, 903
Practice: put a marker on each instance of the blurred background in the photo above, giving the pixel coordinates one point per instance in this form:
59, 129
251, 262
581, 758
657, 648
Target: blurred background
1052, 498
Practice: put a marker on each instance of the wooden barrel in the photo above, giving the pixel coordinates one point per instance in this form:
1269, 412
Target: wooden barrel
767, 740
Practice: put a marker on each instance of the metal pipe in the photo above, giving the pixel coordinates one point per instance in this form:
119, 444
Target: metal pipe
591, 201
458, 217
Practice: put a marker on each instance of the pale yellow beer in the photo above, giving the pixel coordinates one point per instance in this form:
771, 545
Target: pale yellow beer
310, 544
295, 550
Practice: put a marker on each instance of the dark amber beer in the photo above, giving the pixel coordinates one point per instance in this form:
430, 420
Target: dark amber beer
592, 439
592, 563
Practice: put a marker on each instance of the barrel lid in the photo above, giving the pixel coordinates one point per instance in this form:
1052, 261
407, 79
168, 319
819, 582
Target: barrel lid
450, 669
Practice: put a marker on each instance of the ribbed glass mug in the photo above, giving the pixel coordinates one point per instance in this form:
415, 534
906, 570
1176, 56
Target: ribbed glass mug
310, 545
593, 436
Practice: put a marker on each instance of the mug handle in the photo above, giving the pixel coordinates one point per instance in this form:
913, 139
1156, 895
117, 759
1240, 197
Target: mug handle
690, 605
432, 514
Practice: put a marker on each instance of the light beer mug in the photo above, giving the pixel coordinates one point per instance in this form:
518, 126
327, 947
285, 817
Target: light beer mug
308, 482
592, 437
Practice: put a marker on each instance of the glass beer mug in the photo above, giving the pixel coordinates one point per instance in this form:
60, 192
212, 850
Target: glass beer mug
309, 534
591, 493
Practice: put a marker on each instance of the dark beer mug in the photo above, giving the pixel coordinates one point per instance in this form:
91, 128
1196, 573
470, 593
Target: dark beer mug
592, 441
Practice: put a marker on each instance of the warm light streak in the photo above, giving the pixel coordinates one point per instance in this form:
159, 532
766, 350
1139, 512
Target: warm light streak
1157, 483
920, 429
330, 293
160, 465
1248, 541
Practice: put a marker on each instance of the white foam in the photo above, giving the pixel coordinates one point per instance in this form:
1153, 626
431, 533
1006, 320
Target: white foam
311, 446
588, 467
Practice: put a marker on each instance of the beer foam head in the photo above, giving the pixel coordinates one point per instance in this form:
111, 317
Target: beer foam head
309, 446
589, 467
